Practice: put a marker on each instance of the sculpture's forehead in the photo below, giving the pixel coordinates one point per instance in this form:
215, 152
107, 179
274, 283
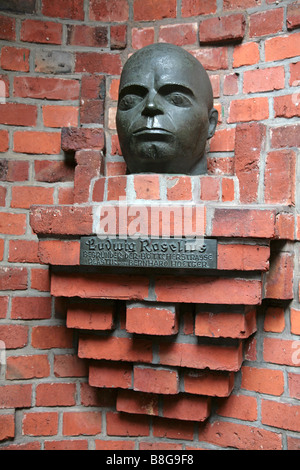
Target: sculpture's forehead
161, 68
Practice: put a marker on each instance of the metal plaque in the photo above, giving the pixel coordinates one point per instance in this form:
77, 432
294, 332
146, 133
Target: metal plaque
149, 253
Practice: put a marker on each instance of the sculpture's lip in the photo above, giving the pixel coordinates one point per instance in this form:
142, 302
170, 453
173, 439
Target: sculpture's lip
152, 131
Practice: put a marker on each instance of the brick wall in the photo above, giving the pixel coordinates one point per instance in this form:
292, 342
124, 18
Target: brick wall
176, 363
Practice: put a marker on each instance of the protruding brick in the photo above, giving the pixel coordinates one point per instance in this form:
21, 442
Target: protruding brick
151, 319
243, 257
186, 407
137, 403
225, 324
91, 315
73, 139
209, 383
150, 380
222, 29
59, 252
243, 223
279, 279
67, 220
119, 424
293, 16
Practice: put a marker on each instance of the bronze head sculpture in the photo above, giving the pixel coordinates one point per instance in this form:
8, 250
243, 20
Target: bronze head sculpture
165, 111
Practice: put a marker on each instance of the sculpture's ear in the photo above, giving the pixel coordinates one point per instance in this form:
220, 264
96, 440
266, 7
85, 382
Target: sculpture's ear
213, 121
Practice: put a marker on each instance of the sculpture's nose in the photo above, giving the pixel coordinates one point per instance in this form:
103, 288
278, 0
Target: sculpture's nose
152, 106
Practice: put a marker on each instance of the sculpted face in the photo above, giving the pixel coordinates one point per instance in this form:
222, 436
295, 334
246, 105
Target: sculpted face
165, 113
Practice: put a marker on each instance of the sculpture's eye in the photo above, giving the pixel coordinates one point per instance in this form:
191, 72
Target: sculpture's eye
129, 101
178, 99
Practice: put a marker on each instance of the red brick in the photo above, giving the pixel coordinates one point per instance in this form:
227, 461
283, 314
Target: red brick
34, 142
243, 223
268, 79
280, 415
269, 381
66, 220
249, 143
93, 62
239, 407
282, 47
274, 319
46, 88
200, 356
25, 196
45, 32
116, 187
186, 407
82, 422
223, 141
68, 365
56, 394
214, 290
66, 196
251, 109
294, 385
40, 423
146, 186
222, 29
77, 444
220, 165
40, 279
240, 4
246, 54
4, 140
280, 177
60, 116
7, 28
142, 37
212, 58
13, 58
14, 336
151, 320
227, 189
73, 139
173, 429
285, 136
49, 171
137, 403
287, 106
115, 349
179, 34
285, 226
239, 436
28, 308
15, 396
150, 380
23, 251
12, 224
89, 36
68, 9
293, 16
112, 375
294, 74
150, 10
118, 424
93, 87
47, 337
198, 7
59, 252
7, 426
109, 10
3, 192
293, 443
231, 84
114, 445
179, 188
13, 278
99, 189
108, 286
209, 383
118, 36
27, 367
280, 351
266, 22
209, 188
3, 306
295, 321
1, 249
92, 111
279, 279
91, 316
160, 446
227, 324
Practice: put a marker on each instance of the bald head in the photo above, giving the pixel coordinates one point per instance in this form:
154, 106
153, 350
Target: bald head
165, 111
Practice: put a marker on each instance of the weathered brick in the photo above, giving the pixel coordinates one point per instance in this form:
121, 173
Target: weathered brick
266, 22
13, 278
285, 136
67, 220
118, 36
48, 337
179, 34
198, 7
58, 252
95, 62
118, 424
268, 79
243, 223
27, 308
78, 423
60, 116
91, 315
15, 396
109, 10
262, 380
209, 383
115, 349
12, 224
75, 138
225, 324
179, 188
7, 426
89, 36
287, 106
280, 415
54, 62
212, 58
27, 367
282, 47
293, 16
141, 37
25, 196
23, 251
111, 375
49, 171
222, 29
7, 28
46, 88
140, 403
40, 423
238, 407
279, 279
36, 142
149, 10
45, 32
13, 58
280, 351
69, 9
14, 336
4, 141
280, 175
150, 380
254, 109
